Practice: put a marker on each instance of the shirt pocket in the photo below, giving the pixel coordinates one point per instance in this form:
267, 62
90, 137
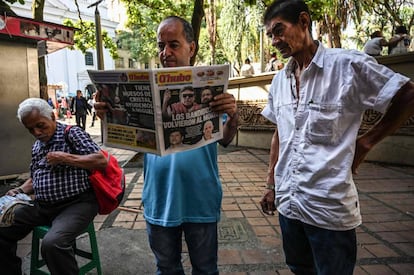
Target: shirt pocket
323, 123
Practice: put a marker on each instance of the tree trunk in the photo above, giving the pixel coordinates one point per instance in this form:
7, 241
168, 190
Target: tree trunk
197, 18
37, 8
212, 29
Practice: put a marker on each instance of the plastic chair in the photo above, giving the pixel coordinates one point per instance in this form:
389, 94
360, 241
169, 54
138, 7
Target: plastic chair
92, 257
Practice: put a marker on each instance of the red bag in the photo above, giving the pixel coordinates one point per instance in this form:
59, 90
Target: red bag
108, 184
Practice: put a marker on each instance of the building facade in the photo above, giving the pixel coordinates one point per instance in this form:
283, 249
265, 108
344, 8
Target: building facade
66, 69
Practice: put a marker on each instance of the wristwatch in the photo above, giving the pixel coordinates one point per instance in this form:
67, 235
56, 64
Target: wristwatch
270, 186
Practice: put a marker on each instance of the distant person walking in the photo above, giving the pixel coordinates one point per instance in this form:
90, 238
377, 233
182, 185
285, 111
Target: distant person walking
91, 103
80, 108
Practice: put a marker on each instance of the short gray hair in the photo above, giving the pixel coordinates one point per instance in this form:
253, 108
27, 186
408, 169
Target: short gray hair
27, 106
187, 28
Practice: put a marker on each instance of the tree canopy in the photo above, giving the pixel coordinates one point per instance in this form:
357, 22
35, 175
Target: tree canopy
230, 30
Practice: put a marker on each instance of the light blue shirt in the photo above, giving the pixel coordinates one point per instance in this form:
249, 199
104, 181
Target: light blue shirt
317, 133
182, 187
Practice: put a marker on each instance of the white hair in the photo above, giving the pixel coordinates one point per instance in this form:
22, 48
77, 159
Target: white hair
27, 106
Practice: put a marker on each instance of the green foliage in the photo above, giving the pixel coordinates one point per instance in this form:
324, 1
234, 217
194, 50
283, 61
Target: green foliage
231, 29
239, 23
204, 52
143, 19
85, 37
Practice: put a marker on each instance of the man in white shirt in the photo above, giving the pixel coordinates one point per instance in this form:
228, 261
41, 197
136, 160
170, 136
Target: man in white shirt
317, 102
374, 45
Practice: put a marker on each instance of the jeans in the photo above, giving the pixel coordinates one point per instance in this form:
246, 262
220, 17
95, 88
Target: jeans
312, 250
81, 120
201, 239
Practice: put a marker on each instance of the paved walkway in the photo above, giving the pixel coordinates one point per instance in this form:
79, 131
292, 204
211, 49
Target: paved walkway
249, 241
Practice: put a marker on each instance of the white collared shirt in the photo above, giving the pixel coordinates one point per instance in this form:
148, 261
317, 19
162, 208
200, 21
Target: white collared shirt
317, 133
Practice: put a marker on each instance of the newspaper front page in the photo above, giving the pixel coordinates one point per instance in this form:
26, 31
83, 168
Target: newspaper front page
161, 111
7, 206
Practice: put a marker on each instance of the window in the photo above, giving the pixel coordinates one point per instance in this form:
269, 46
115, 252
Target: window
119, 63
88, 59
131, 63
146, 66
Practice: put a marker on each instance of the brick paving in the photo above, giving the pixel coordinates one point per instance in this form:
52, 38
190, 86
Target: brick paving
250, 242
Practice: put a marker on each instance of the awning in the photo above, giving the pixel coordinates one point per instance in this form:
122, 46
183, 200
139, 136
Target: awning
49, 36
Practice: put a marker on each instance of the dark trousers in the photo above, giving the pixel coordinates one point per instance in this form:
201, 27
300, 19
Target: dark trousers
202, 244
67, 221
313, 250
93, 118
81, 121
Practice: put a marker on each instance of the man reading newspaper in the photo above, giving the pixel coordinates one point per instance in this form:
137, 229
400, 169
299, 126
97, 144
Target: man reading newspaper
182, 191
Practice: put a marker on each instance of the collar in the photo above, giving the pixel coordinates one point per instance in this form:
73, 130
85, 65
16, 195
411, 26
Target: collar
317, 60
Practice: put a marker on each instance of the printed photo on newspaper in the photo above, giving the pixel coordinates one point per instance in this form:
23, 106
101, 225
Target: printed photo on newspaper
161, 111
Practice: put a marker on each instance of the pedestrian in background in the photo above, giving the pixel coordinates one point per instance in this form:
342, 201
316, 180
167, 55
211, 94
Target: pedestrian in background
274, 64
400, 42
80, 108
91, 103
247, 68
317, 102
374, 46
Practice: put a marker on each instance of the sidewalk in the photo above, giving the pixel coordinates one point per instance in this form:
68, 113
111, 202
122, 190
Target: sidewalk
249, 241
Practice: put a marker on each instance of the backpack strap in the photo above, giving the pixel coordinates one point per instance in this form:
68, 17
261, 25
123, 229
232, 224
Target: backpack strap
67, 140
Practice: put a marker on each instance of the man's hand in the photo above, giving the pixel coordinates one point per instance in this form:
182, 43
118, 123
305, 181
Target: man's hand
56, 157
101, 107
13, 192
224, 103
268, 202
361, 151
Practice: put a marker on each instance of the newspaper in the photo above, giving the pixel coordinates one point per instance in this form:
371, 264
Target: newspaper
161, 111
7, 206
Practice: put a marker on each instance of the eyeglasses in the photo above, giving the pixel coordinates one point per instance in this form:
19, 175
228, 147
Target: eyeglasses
187, 95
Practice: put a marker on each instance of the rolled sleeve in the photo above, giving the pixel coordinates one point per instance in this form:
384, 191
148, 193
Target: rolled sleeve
388, 92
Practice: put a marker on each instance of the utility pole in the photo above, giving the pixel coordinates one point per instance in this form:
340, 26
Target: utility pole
99, 50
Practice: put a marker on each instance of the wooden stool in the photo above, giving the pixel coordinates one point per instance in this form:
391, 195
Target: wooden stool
36, 264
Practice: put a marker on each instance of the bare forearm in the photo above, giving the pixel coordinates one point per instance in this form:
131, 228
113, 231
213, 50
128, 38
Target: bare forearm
230, 129
400, 110
273, 158
26, 188
89, 162
402, 107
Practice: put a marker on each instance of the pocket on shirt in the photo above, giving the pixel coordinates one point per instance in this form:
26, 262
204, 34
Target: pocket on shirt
323, 123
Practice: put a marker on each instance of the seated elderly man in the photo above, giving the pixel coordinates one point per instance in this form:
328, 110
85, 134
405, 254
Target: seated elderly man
59, 181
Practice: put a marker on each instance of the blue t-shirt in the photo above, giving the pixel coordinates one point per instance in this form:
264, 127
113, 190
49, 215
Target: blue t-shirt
182, 187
